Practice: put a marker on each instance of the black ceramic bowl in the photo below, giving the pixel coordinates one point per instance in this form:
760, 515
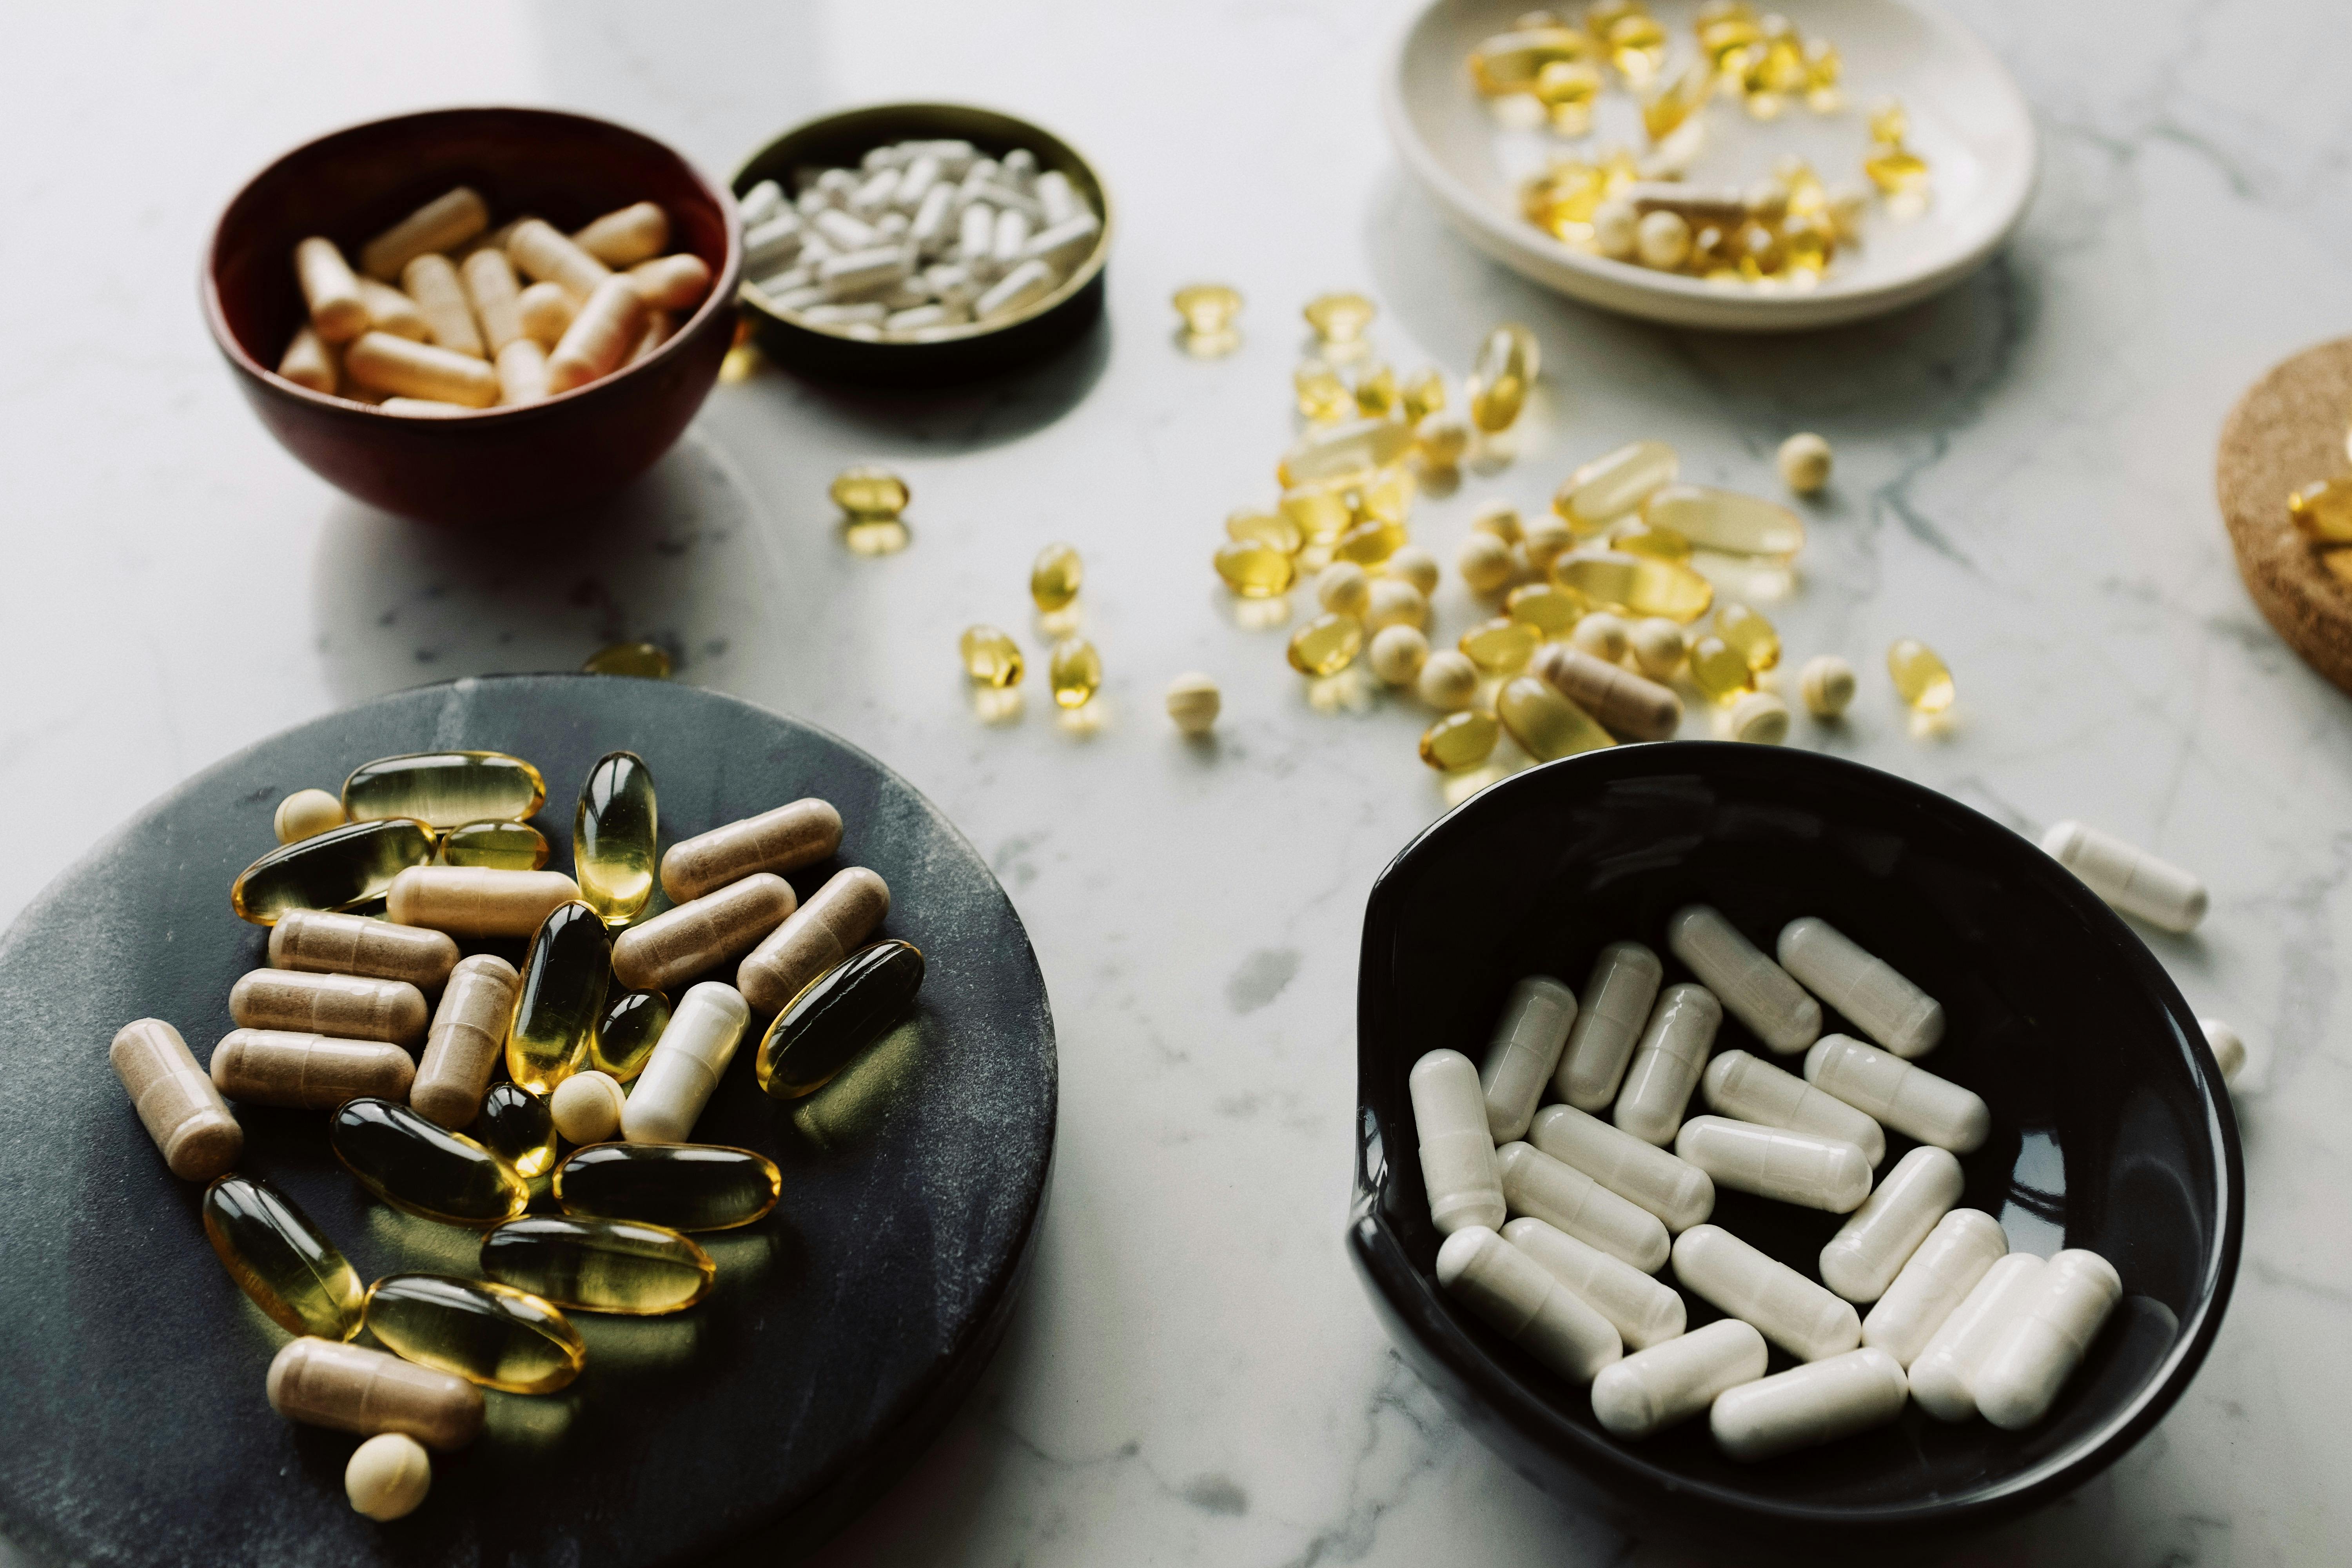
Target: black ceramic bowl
2111, 1127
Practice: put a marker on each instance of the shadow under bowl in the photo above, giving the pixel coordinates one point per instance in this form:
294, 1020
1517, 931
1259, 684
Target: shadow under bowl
2112, 1130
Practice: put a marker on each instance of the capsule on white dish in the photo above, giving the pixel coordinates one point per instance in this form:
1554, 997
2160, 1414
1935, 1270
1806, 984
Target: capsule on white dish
1677, 1192
2228, 1046
1670, 1382
2127, 876
1525, 1050
1618, 996
1801, 1168
1863, 986
1943, 1376
1786, 1308
2045, 1341
1566, 1198
1666, 1064
1644, 1312
1870, 1249
1747, 1088
1806, 1406
688, 1061
1906, 1098
1525, 1305
1457, 1153
1753, 989
1947, 1266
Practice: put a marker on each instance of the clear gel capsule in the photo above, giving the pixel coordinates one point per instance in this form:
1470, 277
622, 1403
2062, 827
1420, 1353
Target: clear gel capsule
1609, 487
627, 1033
519, 1127
1801, 1168
1870, 1249
1567, 1199
623, 1267
612, 837
1642, 1311
1964, 1245
1943, 1377
421, 1169
1337, 451
1546, 725
491, 1335
2130, 879
1635, 583
1866, 988
1666, 1063
1536, 1019
1787, 1308
1754, 990
1618, 996
685, 1186
1808, 1406
1458, 1167
1906, 1098
1669, 1383
277, 1257
2046, 1341
1677, 1192
501, 846
837, 1016
1726, 521
444, 789
1747, 1088
332, 870
1522, 1301
564, 978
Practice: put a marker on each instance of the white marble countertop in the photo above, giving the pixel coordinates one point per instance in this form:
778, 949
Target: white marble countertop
2024, 480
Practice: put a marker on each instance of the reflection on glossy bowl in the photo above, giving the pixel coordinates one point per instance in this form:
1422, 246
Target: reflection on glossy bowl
2112, 1130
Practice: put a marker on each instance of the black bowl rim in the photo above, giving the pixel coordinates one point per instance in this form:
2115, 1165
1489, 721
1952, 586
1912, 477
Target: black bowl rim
1533, 1418
725, 283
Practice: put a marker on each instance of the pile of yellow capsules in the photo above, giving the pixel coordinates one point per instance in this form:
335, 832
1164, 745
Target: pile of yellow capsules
441, 842
2321, 513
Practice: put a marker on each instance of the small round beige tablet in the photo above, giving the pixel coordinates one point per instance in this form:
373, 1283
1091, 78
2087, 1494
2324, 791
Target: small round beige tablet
1805, 462
1602, 634
1826, 683
1658, 645
1414, 565
1193, 701
1395, 603
306, 814
1485, 563
1500, 518
1399, 653
1449, 682
1344, 589
388, 1476
1760, 718
587, 1107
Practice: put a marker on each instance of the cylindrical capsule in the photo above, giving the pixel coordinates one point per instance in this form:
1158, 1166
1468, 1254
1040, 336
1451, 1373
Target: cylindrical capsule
421, 1169
443, 223
1666, 1064
353, 1389
1568, 1199
547, 255
467, 1037
1866, 988
432, 281
311, 1071
1635, 708
599, 339
619, 1266
1644, 1312
1964, 1245
702, 933
1519, 1298
280, 1259
1801, 1168
564, 977
686, 1186
503, 845
1749, 1089
627, 1033
672, 283
331, 292
1458, 1167
1786, 1308
612, 836
497, 299
1943, 1377
1726, 521
331, 871
814, 938
1609, 487
487, 1334
2129, 878
1677, 1192
1618, 996
444, 789
784, 839
477, 900
1671, 1382
837, 1015
1906, 1098
686, 1066
519, 1127
347, 1007
2045, 1341
328, 944
1754, 990
2229, 1047
1526, 1046
1808, 1406
1870, 1249
1546, 725
1337, 451
545, 310
183, 1112
385, 363
627, 235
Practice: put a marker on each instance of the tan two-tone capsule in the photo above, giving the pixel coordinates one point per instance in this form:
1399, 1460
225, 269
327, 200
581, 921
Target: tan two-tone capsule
325, 943
177, 1104
309, 1071
467, 1038
832, 925
346, 1006
679, 943
785, 839
354, 1389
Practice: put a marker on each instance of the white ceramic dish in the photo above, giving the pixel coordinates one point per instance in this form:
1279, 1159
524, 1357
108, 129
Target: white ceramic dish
1967, 118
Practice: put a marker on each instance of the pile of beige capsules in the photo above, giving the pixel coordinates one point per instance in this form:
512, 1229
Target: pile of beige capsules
1957, 1321
435, 320
442, 841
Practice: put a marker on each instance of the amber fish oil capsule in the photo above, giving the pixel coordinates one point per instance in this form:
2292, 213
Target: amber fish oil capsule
504, 846
444, 789
331, 871
1673, 1381
421, 1169
487, 1334
685, 1186
1618, 994
1808, 1406
279, 1257
1747, 1088
1753, 989
1866, 988
564, 977
1906, 1098
466, 1041
329, 944
2047, 1339
1677, 1192
1642, 1311
701, 933
519, 1127
612, 836
1786, 1308
686, 1066
623, 1266
1567, 1199
1960, 1251
1522, 1301
1921, 677
991, 657
2130, 879
1871, 1249
350, 1388
625, 1036
837, 1016
183, 1112
785, 839
1527, 1041
1666, 1063
1801, 1168
1458, 1166
1546, 725
317, 1072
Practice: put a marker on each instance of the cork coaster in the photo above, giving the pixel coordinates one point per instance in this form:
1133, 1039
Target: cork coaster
2286, 432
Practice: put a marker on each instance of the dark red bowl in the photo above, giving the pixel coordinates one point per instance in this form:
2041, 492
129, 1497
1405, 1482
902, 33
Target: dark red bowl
493, 464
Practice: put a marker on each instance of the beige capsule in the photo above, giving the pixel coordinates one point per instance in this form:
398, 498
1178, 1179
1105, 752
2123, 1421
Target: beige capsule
353, 1389
329, 944
784, 839
1635, 708
545, 311
314, 1072
496, 297
627, 236
701, 933
477, 901
432, 281
600, 338
331, 291
396, 366
183, 1112
659, 324
309, 362
835, 921
545, 255
443, 223
522, 371
672, 283
390, 310
347, 1007
466, 1043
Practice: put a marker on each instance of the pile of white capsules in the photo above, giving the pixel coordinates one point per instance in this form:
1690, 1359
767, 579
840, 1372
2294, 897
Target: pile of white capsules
922, 240
1956, 1320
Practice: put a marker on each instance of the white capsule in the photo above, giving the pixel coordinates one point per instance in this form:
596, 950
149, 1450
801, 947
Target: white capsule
2130, 879
1567, 1199
933, 220
1801, 1168
1457, 1153
761, 203
862, 272
1058, 197
1064, 245
1786, 1308
1906, 1098
2228, 1048
1870, 1249
799, 300
1525, 1305
1017, 290
1665, 1065
872, 198
1754, 990
868, 314
1747, 1088
842, 232
976, 240
1526, 1047
1677, 1192
1642, 1311
1943, 1376
1006, 242
916, 184
2044, 1342
1670, 1382
917, 317
1618, 996
1806, 1406
1021, 168
1956, 1255
686, 1066
774, 243
1866, 989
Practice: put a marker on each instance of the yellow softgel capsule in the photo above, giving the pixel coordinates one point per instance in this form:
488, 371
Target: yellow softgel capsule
1889, 124
1370, 543
1053, 580
1327, 645
1756, 638
1637, 46
332, 870
625, 1036
1424, 395
1073, 670
1568, 90
645, 660
518, 1127
504, 846
1323, 399
1637, 538
1340, 318
2324, 511
1724, 28
1349, 451
444, 789
1635, 583
619, 1266
1614, 484
487, 1334
1318, 510
565, 974
1509, 362
1682, 95
991, 656
1461, 739
1552, 610
421, 1169
1501, 646
1207, 309
1720, 671
870, 494
1546, 724
279, 1257
1896, 171
1376, 391
1269, 528
613, 832
1387, 495
683, 1186
1921, 679
1254, 569
1511, 62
